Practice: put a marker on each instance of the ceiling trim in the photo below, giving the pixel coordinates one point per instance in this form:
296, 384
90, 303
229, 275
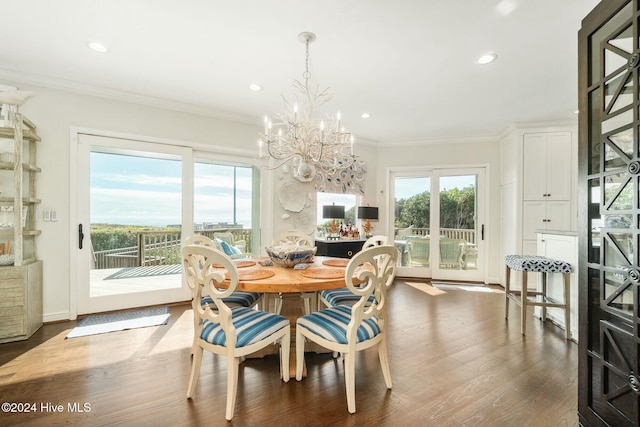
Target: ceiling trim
66, 85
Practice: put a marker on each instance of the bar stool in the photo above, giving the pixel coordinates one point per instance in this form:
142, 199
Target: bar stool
525, 297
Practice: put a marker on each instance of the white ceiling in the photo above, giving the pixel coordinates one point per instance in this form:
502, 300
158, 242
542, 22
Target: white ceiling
410, 63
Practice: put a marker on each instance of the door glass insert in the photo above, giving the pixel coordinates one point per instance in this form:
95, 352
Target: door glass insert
412, 211
136, 217
457, 240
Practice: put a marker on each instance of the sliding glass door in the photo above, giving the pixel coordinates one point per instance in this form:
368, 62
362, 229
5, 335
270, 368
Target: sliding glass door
136, 203
437, 222
131, 211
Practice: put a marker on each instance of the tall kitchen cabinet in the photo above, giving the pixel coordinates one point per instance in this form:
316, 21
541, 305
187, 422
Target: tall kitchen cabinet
546, 185
538, 189
20, 269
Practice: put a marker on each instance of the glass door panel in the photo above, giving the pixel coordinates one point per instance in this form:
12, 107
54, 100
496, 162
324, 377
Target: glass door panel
457, 221
437, 223
224, 204
412, 217
131, 214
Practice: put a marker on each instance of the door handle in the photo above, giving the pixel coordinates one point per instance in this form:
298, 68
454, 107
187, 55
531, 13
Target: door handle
482, 232
80, 236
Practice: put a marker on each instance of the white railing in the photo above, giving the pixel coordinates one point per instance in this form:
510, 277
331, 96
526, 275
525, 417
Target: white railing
452, 233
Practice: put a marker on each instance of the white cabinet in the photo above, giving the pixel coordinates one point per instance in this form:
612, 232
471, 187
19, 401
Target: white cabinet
546, 183
539, 172
547, 166
562, 246
545, 215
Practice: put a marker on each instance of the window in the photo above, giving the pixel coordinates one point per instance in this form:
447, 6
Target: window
222, 196
346, 200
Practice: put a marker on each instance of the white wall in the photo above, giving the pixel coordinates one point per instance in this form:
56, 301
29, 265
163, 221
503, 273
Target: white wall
56, 112
481, 152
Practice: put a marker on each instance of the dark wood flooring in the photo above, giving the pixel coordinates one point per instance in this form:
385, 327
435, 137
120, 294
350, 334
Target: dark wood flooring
455, 361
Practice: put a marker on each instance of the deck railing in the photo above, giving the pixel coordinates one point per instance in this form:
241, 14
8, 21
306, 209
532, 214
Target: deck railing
163, 247
451, 233
157, 248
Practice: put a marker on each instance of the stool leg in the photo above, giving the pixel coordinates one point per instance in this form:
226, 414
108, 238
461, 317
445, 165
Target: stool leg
524, 300
506, 293
544, 296
567, 306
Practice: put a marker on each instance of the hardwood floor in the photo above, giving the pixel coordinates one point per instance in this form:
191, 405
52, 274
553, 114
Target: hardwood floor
455, 361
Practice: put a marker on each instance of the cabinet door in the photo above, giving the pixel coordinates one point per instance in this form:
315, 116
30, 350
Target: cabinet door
558, 215
558, 164
533, 218
534, 169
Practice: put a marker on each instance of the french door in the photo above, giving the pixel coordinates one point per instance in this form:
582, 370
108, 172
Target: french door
437, 220
140, 193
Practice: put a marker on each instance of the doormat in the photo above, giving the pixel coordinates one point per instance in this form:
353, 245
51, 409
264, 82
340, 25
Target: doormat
120, 321
155, 270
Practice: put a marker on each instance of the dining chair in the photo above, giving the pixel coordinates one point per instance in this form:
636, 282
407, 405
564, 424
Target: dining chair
241, 298
333, 297
296, 237
347, 329
237, 298
231, 331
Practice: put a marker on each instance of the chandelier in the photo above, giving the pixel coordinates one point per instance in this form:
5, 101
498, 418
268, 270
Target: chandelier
303, 134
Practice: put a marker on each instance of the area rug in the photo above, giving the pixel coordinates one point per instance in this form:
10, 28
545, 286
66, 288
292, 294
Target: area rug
155, 270
120, 321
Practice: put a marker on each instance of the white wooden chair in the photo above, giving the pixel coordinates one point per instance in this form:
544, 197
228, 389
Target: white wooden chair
300, 238
229, 331
347, 329
333, 297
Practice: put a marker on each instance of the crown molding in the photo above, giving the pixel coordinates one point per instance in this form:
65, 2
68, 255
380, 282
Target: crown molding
438, 141
101, 92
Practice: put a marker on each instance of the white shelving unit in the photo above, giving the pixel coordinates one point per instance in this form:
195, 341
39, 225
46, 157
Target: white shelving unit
20, 277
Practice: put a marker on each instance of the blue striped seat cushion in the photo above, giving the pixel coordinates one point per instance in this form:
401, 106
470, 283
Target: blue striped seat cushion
251, 326
239, 298
331, 324
339, 296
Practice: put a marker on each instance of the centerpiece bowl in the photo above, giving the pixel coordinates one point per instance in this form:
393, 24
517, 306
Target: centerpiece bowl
290, 255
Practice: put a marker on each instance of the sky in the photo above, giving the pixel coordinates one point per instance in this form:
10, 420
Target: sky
406, 187
133, 190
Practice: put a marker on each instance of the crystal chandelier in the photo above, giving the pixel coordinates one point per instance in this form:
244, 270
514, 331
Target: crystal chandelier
303, 134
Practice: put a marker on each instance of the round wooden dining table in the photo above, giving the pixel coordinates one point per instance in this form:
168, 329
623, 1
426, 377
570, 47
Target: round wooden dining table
323, 273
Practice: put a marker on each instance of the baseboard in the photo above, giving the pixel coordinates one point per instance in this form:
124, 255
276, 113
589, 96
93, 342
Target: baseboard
56, 317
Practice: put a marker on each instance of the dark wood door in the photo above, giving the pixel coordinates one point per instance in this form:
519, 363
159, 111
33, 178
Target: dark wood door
609, 216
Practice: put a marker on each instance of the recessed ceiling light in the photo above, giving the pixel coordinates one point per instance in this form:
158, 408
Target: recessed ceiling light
365, 115
576, 112
487, 58
255, 87
97, 46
